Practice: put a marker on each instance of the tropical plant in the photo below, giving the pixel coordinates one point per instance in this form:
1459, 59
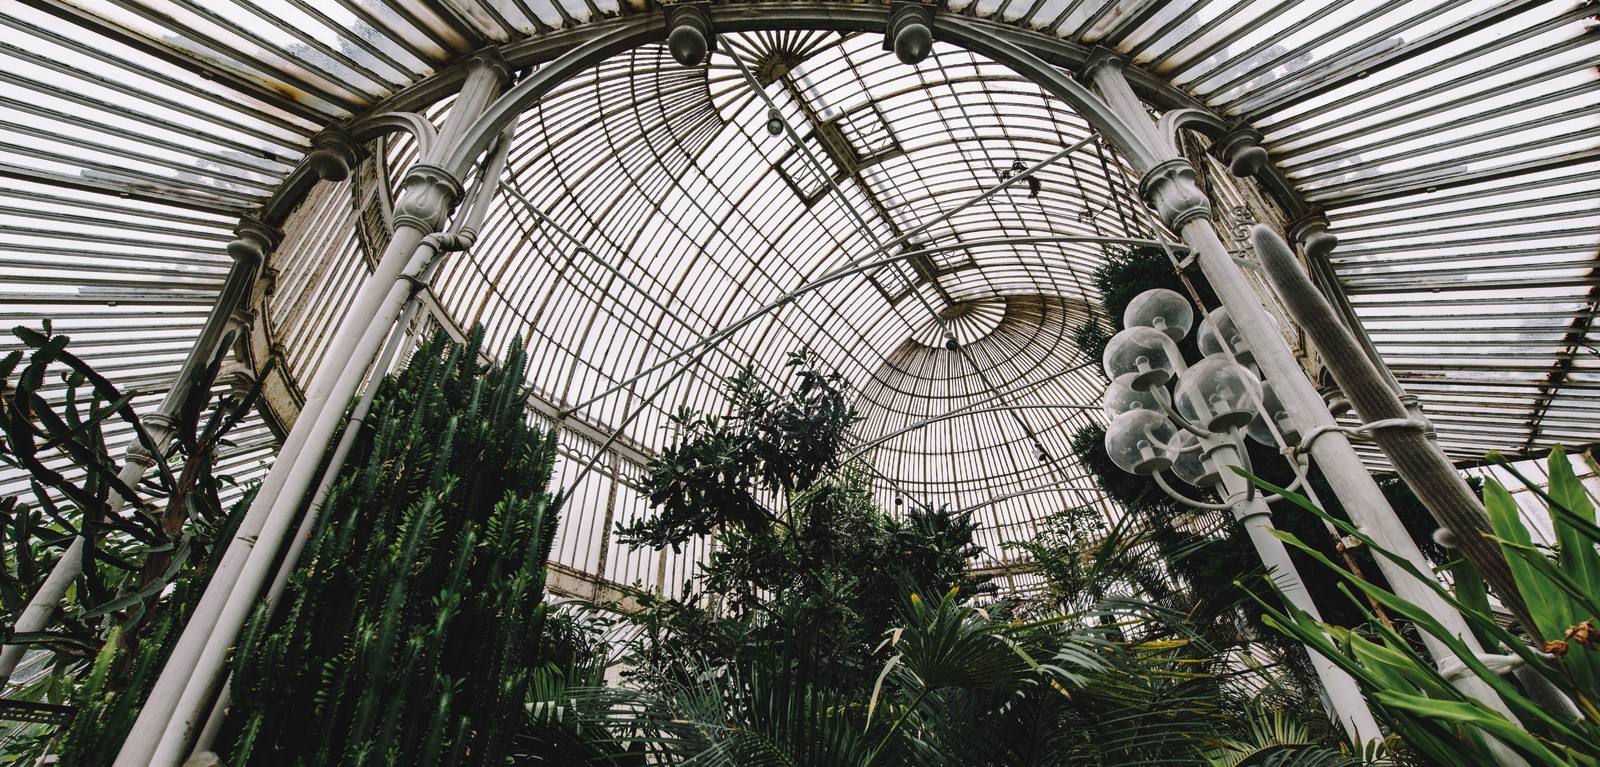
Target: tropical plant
954, 684
564, 698
413, 630
1275, 740
800, 544
812, 644
146, 544
138, 536
1419, 701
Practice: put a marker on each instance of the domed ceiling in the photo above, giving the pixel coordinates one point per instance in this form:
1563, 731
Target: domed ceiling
651, 236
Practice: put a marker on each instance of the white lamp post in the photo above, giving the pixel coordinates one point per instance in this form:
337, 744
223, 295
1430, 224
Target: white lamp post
1196, 429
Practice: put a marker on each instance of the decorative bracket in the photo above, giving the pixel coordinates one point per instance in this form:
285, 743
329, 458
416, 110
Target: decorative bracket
333, 154
410, 122
1311, 231
256, 239
1241, 149
690, 36
909, 32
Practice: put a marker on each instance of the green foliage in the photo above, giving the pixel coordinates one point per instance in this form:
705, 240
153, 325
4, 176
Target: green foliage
1431, 715
811, 644
413, 630
562, 697
803, 556
772, 443
131, 554
1275, 740
147, 544
954, 685
1091, 338
122, 676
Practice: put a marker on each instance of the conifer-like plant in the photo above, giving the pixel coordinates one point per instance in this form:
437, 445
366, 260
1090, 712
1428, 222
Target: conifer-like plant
412, 627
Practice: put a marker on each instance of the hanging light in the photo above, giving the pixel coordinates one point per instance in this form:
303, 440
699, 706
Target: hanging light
1218, 395
1141, 357
1218, 335
774, 122
1190, 463
1120, 399
1162, 309
1272, 407
1138, 441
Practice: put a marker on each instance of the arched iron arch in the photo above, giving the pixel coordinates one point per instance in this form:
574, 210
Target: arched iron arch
1035, 56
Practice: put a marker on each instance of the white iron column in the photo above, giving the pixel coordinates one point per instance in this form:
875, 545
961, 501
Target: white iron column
255, 240
1343, 695
183, 693
1171, 189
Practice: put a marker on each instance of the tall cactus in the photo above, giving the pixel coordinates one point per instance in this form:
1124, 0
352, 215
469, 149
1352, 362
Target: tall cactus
412, 625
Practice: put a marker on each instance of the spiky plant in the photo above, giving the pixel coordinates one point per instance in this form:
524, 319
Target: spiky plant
411, 631
146, 544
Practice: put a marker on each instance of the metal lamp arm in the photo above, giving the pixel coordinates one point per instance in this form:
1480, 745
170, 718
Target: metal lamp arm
1164, 399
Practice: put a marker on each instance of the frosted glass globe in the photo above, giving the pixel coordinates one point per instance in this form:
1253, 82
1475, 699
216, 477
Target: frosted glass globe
1190, 464
1137, 441
1217, 395
1139, 358
1272, 408
1162, 309
1120, 399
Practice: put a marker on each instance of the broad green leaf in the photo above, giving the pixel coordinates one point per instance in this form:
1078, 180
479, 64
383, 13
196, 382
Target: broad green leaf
1544, 599
1474, 715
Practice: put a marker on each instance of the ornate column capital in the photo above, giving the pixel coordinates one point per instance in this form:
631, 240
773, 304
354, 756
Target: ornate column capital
256, 239
160, 427
334, 152
1311, 231
427, 193
1101, 58
1171, 189
238, 377
491, 60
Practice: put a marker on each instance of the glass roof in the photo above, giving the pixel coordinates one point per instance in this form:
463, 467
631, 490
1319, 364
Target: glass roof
651, 237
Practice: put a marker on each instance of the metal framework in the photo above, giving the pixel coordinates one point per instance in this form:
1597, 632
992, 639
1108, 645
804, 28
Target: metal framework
653, 236
194, 117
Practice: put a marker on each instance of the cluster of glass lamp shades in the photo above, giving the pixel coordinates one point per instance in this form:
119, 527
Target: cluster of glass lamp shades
1214, 401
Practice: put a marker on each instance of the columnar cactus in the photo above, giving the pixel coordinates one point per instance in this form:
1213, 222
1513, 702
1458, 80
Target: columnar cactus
412, 625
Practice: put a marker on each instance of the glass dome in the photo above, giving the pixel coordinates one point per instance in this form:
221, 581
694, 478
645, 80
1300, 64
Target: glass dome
652, 236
